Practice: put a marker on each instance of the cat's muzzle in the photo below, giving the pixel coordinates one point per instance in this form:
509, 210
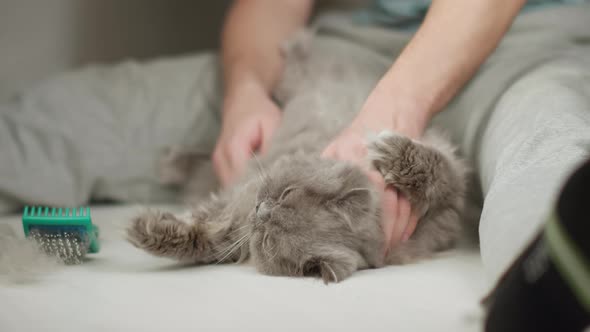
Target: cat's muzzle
263, 211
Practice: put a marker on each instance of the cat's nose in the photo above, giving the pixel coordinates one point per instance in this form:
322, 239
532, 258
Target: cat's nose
263, 211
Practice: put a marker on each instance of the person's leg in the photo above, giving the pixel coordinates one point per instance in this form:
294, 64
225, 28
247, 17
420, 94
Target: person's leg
538, 133
99, 132
528, 99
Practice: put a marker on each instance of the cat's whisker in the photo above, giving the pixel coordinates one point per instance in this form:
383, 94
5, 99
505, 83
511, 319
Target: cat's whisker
233, 247
237, 246
359, 189
276, 252
264, 177
261, 173
228, 248
268, 250
237, 230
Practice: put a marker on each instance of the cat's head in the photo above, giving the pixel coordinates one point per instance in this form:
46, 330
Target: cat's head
315, 217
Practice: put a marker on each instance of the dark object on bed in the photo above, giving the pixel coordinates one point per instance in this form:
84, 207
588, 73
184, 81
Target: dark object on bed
548, 287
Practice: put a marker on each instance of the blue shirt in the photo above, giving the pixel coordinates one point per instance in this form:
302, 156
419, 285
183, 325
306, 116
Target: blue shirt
406, 14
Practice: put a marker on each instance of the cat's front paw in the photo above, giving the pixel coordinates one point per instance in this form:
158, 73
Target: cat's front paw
421, 172
427, 172
162, 234
403, 164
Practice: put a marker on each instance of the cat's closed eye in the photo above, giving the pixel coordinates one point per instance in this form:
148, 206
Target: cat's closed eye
286, 193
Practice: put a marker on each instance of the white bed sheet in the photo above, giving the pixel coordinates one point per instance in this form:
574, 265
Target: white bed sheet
124, 289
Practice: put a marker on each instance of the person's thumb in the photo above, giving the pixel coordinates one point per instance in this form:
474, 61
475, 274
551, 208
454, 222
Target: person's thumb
239, 154
329, 152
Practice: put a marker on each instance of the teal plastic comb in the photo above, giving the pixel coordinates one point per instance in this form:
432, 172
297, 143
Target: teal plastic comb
66, 233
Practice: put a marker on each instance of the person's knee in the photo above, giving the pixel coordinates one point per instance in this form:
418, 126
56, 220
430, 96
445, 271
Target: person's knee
543, 116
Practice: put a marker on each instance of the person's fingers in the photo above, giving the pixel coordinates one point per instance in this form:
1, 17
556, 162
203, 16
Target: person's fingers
220, 165
410, 228
376, 178
354, 154
329, 152
346, 147
238, 154
359, 150
266, 130
402, 220
241, 149
388, 206
334, 152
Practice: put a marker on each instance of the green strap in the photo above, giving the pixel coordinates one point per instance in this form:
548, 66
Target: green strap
570, 262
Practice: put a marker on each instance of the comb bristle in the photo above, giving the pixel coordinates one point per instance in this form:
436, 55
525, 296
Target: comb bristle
46, 211
70, 247
53, 212
26, 213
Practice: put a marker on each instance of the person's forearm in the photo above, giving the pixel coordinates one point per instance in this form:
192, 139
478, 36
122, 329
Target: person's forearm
454, 40
251, 39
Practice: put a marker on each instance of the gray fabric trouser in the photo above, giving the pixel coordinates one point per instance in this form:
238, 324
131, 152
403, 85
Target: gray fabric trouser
523, 122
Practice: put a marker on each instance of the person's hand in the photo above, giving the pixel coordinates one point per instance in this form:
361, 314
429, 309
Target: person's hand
398, 220
380, 113
396, 214
250, 118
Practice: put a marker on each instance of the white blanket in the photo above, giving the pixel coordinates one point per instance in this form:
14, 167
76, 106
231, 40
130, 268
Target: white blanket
124, 289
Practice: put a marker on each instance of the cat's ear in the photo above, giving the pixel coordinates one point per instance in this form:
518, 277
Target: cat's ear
357, 194
354, 199
353, 204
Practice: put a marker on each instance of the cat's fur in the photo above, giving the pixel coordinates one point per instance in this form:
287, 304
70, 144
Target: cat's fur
296, 214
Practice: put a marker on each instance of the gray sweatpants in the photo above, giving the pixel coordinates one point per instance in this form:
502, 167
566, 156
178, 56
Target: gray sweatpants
523, 121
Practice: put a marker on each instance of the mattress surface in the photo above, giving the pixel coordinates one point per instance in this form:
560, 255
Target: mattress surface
124, 289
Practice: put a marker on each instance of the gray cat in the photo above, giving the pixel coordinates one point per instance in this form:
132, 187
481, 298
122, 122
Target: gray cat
296, 214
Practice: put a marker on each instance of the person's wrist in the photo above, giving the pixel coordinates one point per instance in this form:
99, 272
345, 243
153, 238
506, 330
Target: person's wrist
389, 107
409, 119
244, 84
242, 74
241, 89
